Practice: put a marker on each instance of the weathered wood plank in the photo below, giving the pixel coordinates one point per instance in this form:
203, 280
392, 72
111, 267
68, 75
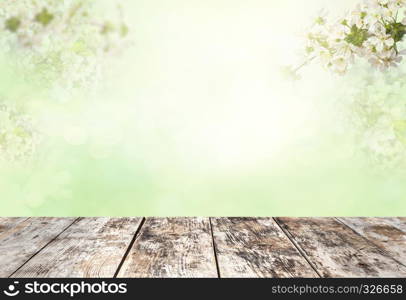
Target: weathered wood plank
399, 222
337, 251
256, 247
172, 248
92, 247
386, 233
8, 224
26, 239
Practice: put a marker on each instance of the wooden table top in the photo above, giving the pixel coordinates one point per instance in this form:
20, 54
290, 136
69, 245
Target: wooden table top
202, 247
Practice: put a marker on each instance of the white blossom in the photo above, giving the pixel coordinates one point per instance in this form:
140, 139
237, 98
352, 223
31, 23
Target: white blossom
373, 30
373, 107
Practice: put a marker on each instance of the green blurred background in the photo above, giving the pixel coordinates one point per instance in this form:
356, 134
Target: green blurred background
195, 119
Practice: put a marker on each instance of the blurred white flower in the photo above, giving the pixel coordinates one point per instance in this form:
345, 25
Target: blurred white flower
374, 111
64, 43
60, 46
18, 136
339, 64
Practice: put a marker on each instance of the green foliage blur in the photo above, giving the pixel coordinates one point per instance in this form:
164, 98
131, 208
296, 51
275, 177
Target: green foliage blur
195, 119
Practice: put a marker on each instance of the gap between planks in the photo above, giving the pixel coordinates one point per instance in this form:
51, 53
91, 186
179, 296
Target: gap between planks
172, 248
338, 251
285, 231
297, 246
42, 248
136, 234
92, 247
214, 249
386, 252
257, 247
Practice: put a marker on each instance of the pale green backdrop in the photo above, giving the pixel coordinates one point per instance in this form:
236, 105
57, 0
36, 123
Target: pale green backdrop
195, 119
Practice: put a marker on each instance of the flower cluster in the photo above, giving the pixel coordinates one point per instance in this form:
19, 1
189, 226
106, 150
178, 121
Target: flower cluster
373, 30
59, 47
60, 43
18, 136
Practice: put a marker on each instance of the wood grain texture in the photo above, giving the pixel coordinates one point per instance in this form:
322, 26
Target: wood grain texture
9, 225
26, 239
172, 248
92, 247
337, 251
256, 247
183, 247
387, 233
